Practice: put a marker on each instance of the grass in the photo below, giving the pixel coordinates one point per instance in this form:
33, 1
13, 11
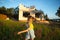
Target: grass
9, 29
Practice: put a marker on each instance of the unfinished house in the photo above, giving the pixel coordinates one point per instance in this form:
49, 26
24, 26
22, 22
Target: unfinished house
24, 11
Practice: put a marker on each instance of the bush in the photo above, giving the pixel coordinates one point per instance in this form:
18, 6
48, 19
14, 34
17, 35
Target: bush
9, 29
2, 16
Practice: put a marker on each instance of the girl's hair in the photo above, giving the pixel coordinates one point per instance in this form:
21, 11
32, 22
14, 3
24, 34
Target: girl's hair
30, 17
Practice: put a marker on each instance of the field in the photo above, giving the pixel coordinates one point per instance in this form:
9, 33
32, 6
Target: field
43, 31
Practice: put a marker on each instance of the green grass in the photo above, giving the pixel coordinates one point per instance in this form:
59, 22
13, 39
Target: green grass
9, 29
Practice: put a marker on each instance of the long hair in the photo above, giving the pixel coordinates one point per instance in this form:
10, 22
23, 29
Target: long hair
30, 17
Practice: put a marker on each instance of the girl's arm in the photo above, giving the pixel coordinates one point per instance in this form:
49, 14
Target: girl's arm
23, 31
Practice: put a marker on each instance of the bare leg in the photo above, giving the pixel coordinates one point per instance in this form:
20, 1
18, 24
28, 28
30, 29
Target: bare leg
31, 39
26, 39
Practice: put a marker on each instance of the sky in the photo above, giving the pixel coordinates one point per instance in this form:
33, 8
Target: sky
48, 6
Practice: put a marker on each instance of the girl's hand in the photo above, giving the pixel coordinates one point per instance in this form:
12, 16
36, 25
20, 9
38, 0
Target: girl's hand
19, 33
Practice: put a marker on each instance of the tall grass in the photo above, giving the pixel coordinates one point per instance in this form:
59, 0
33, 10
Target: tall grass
9, 29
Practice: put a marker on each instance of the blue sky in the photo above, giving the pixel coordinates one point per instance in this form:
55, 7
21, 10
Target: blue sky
48, 6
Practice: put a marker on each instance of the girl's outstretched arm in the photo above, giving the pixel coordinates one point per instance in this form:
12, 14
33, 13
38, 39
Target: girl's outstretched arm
23, 31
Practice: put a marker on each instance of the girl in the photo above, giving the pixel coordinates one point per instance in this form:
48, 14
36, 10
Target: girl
30, 29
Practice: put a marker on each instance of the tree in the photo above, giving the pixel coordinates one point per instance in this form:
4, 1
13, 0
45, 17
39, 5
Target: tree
3, 10
58, 12
46, 17
7, 11
39, 13
10, 12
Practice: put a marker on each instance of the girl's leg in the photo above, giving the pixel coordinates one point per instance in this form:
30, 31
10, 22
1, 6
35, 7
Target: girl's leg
31, 39
26, 39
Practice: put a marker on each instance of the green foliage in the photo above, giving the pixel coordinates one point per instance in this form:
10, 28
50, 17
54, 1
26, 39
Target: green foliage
9, 29
7, 11
3, 10
10, 11
38, 13
46, 17
58, 12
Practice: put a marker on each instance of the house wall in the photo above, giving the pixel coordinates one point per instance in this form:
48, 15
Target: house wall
21, 15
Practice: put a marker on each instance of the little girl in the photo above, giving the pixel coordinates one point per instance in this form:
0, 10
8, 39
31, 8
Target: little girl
30, 29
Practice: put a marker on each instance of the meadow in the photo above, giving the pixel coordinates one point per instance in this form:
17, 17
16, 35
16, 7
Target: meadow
43, 31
